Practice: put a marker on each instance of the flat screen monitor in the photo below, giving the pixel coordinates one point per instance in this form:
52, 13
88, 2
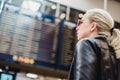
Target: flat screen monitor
7, 76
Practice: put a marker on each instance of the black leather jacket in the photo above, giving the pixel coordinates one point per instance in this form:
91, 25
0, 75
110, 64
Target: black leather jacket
88, 61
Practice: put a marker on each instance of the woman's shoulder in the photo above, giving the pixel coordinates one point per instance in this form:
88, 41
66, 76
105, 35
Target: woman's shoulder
99, 40
86, 42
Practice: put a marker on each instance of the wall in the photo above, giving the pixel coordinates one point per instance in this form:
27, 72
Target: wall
112, 6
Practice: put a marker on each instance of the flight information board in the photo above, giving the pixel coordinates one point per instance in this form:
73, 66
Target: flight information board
68, 43
25, 36
45, 42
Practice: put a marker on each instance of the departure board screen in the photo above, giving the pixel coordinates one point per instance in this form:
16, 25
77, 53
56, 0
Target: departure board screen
67, 48
25, 36
30, 38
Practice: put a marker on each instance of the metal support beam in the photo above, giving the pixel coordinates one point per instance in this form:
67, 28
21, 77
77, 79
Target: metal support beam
105, 4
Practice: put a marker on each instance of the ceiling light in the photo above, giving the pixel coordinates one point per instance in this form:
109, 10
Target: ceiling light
53, 7
80, 15
62, 16
31, 75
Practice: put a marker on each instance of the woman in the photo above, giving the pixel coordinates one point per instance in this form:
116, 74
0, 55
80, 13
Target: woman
94, 52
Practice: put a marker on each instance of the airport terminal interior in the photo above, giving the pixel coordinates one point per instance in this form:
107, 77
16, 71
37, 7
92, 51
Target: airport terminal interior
37, 37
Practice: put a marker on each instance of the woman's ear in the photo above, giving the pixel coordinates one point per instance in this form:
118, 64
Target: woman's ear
93, 27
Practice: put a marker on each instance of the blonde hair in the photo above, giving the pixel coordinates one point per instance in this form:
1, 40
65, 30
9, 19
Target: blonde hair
105, 23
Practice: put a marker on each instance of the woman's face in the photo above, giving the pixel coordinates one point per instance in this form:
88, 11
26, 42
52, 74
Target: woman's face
83, 28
